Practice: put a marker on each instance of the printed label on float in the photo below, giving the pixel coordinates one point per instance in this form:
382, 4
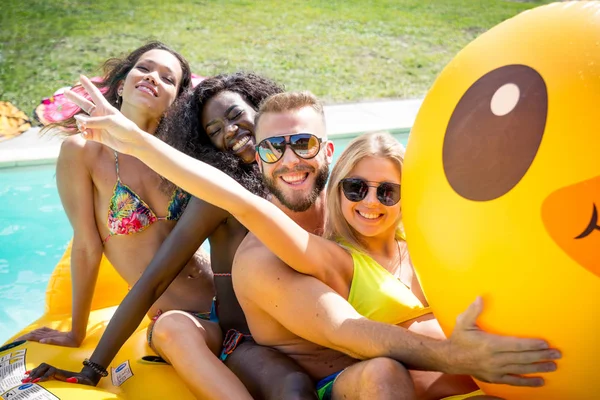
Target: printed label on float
120, 374
28, 391
12, 369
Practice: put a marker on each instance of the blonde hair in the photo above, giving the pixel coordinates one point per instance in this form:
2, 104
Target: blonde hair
374, 144
290, 101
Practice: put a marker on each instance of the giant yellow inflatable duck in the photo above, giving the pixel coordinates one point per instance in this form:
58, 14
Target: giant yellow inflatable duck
501, 190
135, 372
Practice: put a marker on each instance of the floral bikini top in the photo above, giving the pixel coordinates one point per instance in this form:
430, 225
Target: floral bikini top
128, 213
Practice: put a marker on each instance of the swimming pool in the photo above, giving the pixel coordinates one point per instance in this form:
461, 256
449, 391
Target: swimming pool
34, 232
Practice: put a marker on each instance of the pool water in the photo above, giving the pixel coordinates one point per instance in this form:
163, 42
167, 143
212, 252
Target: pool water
34, 232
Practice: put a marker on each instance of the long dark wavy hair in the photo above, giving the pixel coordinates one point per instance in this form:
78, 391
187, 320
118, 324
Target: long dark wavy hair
115, 70
182, 127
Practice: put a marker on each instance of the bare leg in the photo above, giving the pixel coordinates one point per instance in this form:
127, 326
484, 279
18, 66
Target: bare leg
378, 378
191, 346
269, 374
430, 385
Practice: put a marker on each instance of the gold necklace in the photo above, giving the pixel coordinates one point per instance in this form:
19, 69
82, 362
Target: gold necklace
396, 263
400, 266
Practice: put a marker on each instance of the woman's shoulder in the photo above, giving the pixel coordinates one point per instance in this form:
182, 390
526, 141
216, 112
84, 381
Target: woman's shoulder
75, 147
350, 247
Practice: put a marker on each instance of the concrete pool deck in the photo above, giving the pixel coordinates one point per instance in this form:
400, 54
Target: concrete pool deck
342, 120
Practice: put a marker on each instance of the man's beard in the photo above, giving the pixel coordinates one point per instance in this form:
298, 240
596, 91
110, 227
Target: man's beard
303, 203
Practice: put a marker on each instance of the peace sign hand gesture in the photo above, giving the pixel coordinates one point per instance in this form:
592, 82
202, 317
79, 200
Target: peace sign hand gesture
105, 124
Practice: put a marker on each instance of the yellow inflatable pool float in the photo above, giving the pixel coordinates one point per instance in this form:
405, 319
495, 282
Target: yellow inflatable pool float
135, 372
501, 190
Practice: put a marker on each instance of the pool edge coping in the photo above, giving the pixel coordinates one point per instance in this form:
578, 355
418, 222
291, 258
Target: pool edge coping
342, 121
49, 159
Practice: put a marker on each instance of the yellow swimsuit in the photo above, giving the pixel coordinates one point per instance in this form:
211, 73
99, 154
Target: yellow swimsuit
378, 295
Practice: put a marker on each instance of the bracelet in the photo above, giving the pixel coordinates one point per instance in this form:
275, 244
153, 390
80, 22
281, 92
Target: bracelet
97, 368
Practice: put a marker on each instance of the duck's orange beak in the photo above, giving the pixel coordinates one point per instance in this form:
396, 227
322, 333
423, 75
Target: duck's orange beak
572, 218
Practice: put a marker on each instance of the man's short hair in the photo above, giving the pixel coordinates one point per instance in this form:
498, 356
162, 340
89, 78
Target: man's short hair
290, 101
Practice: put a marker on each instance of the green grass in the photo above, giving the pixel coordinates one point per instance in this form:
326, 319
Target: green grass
342, 50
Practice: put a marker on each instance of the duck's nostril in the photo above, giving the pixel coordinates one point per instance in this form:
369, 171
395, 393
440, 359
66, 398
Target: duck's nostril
593, 226
570, 216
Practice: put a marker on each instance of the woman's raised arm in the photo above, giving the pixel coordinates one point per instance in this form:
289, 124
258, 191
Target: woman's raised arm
304, 252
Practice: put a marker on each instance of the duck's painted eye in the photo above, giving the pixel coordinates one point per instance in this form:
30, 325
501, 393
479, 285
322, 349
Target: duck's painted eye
495, 131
